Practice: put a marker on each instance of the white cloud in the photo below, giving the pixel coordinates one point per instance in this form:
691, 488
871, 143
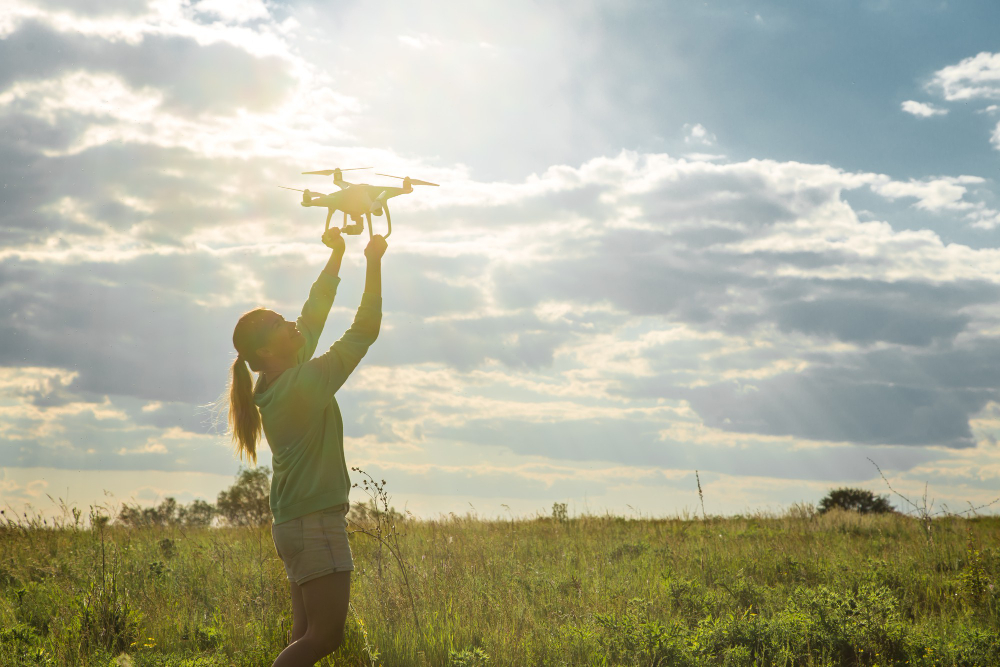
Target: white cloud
150, 447
117, 113
922, 109
704, 157
237, 11
418, 42
32, 380
697, 135
943, 194
976, 77
934, 194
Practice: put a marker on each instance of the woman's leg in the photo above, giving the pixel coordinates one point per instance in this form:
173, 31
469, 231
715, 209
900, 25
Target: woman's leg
299, 621
325, 601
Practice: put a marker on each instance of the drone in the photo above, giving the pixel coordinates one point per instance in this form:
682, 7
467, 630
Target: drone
357, 200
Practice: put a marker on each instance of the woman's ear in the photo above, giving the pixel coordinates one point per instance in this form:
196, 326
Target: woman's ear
264, 353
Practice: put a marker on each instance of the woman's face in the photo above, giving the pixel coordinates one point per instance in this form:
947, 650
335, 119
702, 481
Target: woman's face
281, 338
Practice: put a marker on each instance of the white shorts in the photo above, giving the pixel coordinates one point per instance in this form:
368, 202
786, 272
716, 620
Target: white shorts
314, 545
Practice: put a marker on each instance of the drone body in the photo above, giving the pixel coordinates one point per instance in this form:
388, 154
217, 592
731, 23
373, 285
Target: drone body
357, 200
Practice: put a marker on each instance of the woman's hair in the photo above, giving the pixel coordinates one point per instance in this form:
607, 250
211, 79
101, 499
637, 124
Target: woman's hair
244, 417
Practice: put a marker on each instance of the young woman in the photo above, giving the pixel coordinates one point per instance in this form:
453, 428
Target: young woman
293, 402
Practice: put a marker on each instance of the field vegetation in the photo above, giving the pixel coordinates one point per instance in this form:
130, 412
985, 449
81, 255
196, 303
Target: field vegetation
182, 586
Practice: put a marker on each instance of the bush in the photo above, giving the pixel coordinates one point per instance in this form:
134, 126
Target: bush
108, 620
857, 500
475, 657
632, 638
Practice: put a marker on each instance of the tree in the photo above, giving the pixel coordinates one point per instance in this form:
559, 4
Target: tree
857, 500
247, 502
168, 513
198, 513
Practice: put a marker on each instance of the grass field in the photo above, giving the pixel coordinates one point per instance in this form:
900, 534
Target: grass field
797, 589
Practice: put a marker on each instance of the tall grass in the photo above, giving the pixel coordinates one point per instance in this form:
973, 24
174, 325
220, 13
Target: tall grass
792, 589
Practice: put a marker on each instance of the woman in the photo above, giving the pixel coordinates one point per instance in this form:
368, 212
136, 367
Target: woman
293, 403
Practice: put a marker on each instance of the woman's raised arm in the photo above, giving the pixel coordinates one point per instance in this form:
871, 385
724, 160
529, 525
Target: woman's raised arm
325, 374
317, 307
335, 242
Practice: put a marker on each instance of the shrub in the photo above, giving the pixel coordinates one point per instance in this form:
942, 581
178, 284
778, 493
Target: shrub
475, 657
108, 620
862, 501
633, 638
847, 623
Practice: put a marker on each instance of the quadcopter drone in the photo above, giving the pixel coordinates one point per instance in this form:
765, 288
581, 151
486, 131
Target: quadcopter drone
356, 200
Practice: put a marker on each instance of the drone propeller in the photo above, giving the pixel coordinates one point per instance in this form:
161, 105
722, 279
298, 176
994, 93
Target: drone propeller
306, 195
330, 172
413, 181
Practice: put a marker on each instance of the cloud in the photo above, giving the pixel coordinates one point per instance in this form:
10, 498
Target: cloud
236, 11
91, 8
721, 275
922, 109
192, 77
976, 77
933, 194
828, 406
418, 42
943, 194
697, 135
69, 427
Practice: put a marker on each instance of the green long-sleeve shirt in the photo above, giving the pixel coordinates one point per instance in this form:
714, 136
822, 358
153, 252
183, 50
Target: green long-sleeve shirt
300, 416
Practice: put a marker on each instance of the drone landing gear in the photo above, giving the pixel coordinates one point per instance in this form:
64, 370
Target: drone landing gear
388, 222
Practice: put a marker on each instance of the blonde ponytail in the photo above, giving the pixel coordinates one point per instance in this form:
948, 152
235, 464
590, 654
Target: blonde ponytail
244, 417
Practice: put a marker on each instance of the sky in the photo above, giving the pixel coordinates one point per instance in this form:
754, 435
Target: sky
756, 240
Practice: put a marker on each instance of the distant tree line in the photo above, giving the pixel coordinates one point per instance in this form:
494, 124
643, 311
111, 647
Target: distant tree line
245, 503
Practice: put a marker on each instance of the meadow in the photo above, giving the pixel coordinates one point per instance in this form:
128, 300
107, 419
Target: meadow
799, 588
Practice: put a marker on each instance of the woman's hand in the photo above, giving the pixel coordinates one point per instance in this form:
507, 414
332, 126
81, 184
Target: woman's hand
333, 240
376, 248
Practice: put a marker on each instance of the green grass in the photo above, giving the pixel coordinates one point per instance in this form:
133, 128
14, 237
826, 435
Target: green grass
833, 589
